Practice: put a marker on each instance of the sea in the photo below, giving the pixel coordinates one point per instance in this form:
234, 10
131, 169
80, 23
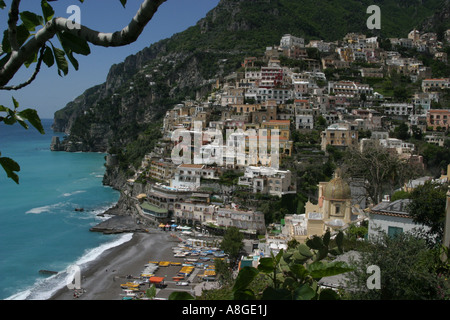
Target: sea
39, 226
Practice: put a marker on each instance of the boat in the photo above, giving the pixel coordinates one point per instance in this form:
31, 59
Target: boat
131, 285
47, 272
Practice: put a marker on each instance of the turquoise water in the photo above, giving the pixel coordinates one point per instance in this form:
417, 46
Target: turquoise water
40, 228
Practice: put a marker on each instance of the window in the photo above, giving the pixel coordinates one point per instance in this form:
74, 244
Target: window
393, 231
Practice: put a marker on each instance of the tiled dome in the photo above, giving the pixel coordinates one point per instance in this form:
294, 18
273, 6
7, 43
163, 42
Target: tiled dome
337, 188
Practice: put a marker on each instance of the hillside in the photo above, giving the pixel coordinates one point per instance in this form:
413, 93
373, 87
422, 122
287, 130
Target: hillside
123, 111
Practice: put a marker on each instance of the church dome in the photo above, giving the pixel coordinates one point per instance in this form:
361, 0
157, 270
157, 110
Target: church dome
337, 189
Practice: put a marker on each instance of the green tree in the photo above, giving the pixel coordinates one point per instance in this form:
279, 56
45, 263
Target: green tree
402, 131
427, 207
232, 243
407, 270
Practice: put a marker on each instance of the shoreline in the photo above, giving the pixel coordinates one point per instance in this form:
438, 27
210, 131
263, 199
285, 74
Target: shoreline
102, 277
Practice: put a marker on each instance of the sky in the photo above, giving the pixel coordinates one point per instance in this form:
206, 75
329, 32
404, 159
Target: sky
49, 92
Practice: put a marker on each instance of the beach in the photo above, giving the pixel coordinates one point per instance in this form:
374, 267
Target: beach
101, 278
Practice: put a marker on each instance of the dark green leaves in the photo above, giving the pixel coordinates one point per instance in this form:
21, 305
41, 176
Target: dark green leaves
9, 117
31, 20
2, 4
47, 10
13, 116
71, 44
48, 57
244, 278
10, 167
320, 269
22, 35
123, 2
32, 117
61, 62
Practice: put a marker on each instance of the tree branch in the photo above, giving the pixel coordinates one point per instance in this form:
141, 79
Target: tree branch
13, 17
127, 35
33, 76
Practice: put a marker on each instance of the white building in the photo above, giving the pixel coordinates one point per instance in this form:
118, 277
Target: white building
188, 176
267, 180
288, 41
304, 121
247, 220
399, 109
391, 218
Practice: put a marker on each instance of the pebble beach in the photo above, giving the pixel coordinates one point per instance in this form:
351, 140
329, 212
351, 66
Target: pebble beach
102, 278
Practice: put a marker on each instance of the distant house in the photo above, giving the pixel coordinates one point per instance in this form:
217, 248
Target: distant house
391, 218
438, 118
251, 221
340, 135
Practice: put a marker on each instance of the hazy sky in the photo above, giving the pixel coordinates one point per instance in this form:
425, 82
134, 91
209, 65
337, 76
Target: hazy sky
50, 92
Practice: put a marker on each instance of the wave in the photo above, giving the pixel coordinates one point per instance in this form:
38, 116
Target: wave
44, 289
68, 194
47, 208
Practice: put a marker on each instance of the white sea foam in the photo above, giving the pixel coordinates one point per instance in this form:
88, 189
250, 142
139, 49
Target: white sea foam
44, 289
42, 209
68, 194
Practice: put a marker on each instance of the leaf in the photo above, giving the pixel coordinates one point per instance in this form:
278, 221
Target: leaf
304, 250
10, 167
32, 59
22, 34
61, 61
266, 265
6, 47
328, 294
299, 271
326, 238
2, 4
74, 43
48, 57
322, 253
15, 102
320, 269
315, 243
123, 2
31, 20
244, 278
305, 292
181, 295
32, 116
47, 10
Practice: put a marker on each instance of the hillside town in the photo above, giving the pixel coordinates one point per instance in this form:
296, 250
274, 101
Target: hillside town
240, 136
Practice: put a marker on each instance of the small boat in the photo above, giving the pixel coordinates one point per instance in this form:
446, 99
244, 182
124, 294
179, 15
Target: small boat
79, 209
47, 272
